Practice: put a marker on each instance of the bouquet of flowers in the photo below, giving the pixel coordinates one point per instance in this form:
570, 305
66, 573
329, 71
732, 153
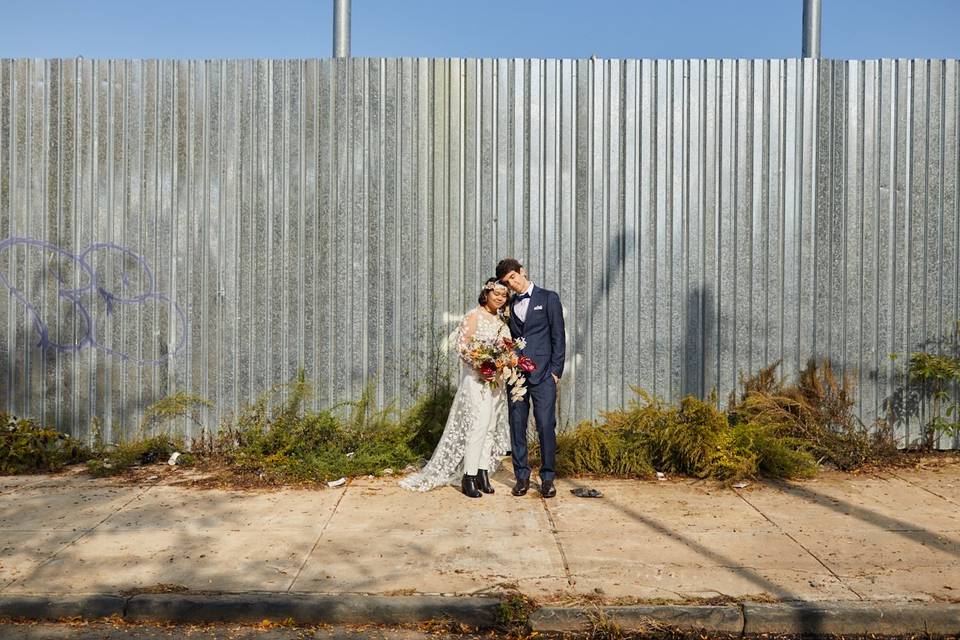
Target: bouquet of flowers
499, 361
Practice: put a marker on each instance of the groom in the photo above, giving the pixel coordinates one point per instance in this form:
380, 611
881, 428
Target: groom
537, 317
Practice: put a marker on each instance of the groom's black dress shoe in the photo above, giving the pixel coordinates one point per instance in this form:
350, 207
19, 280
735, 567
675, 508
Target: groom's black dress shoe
521, 488
483, 481
469, 486
547, 490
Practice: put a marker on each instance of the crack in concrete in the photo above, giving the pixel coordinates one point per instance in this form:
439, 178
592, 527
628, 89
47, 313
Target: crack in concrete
497, 587
323, 530
799, 544
556, 538
22, 486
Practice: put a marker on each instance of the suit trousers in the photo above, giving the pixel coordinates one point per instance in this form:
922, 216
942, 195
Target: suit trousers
544, 399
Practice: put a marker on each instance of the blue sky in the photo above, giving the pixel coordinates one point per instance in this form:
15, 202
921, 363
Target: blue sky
475, 28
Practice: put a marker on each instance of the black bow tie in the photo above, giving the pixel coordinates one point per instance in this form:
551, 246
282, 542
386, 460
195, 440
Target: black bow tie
523, 296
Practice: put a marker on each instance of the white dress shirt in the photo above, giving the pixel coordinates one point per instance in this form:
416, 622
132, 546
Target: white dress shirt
520, 309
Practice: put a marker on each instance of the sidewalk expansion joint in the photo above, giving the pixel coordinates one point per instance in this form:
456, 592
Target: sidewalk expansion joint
126, 606
556, 538
741, 607
799, 544
921, 487
323, 530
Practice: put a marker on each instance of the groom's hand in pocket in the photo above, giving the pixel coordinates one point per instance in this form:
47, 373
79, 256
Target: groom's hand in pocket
556, 380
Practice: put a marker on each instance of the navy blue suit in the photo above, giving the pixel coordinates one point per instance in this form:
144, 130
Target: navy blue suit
542, 329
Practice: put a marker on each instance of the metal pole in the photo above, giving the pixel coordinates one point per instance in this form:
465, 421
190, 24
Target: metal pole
811, 28
341, 28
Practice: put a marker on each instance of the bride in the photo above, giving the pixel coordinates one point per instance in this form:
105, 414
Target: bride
476, 435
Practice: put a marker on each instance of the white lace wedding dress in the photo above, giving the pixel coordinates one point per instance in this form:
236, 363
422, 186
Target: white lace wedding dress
475, 406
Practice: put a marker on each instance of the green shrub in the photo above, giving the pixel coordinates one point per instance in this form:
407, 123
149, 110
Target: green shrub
283, 441
176, 405
815, 413
117, 459
28, 447
694, 439
937, 375
770, 429
593, 449
776, 456
427, 418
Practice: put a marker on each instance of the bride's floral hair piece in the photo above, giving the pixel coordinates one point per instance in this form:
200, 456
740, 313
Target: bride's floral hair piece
489, 287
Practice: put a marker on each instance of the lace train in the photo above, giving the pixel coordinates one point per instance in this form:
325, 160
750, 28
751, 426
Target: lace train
474, 405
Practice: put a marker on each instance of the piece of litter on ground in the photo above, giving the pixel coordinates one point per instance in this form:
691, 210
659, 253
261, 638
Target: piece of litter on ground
351, 454
173, 458
661, 475
152, 477
333, 484
388, 471
586, 492
741, 485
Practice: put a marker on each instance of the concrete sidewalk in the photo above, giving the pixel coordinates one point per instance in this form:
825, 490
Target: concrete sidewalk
892, 537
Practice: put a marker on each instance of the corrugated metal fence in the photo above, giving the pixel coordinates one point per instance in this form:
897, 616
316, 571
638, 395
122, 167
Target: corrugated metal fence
212, 226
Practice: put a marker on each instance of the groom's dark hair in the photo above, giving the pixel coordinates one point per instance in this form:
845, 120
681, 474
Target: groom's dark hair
507, 265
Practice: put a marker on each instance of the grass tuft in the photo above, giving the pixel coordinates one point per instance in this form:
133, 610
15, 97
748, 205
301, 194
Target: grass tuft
121, 457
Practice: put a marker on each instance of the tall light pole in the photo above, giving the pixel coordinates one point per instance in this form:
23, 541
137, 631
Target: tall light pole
811, 28
341, 28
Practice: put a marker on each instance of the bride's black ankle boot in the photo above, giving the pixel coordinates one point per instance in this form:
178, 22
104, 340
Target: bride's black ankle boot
469, 486
483, 481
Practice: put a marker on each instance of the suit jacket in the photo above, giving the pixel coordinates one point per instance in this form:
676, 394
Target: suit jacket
543, 331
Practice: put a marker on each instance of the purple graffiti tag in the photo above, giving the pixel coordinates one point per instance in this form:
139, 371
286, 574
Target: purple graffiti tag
96, 284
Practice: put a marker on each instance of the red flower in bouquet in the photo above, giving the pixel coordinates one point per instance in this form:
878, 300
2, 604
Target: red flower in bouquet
488, 370
526, 364
498, 361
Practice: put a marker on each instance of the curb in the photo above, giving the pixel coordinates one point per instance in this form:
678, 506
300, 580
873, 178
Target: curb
792, 618
189, 608
723, 618
55, 607
842, 618
310, 609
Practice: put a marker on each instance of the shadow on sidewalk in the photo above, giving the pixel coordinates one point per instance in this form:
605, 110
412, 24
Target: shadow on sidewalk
811, 621
902, 528
208, 542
